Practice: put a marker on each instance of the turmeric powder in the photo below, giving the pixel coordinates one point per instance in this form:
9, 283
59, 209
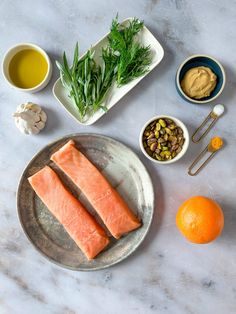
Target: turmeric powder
215, 144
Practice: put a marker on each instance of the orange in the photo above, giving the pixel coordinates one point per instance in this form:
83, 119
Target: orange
200, 219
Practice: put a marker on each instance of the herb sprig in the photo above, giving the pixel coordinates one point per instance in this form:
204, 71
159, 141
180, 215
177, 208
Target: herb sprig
123, 60
87, 82
131, 57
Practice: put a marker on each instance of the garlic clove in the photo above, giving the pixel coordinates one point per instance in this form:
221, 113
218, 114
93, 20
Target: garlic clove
40, 125
20, 108
22, 125
43, 116
33, 130
33, 107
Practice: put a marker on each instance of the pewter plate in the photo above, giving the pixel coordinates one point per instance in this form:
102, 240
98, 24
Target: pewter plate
125, 172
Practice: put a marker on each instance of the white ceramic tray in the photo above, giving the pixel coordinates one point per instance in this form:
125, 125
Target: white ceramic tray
115, 94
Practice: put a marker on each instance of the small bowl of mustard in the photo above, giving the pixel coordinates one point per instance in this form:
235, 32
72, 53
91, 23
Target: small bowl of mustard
27, 67
200, 79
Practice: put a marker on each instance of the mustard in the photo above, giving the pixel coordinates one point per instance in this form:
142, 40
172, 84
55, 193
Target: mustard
199, 82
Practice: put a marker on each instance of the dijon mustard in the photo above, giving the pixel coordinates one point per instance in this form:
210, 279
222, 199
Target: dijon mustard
199, 82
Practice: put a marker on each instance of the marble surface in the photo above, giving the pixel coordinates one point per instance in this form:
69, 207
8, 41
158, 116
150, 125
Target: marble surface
166, 274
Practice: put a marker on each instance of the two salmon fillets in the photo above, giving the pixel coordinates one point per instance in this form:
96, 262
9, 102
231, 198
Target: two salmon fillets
77, 221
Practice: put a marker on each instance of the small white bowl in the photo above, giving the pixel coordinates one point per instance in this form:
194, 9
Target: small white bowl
11, 53
185, 145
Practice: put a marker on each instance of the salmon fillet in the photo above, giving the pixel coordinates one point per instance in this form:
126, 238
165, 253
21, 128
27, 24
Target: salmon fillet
112, 209
81, 226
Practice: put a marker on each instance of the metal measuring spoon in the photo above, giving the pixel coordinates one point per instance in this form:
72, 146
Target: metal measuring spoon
214, 115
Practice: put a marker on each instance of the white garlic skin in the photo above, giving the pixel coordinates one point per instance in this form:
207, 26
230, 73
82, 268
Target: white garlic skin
30, 118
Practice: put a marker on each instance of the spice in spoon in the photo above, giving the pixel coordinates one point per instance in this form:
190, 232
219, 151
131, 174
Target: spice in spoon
213, 147
212, 117
215, 144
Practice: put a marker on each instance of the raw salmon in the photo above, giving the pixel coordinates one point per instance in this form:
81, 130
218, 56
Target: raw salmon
113, 210
81, 226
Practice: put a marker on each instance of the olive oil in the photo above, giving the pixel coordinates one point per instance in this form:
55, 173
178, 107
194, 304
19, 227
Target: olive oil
28, 68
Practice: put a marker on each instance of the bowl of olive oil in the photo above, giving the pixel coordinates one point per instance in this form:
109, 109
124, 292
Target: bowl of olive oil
27, 67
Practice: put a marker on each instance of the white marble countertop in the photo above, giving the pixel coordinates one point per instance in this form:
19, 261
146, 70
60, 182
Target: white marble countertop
166, 274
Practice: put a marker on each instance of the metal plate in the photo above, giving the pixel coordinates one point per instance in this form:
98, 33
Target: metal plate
124, 171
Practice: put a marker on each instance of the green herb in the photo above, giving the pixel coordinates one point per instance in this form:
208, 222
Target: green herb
131, 57
87, 82
123, 60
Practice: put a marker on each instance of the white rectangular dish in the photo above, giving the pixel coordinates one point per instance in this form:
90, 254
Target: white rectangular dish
116, 93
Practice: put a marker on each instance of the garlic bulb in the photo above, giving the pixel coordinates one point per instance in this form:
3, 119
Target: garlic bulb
30, 118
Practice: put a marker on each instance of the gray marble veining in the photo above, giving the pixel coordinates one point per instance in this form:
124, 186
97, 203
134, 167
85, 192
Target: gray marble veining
166, 274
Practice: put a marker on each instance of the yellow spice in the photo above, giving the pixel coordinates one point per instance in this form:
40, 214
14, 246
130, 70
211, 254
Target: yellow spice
215, 144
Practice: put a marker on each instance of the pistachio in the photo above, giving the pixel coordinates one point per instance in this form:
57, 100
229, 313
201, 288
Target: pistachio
179, 138
162, 123
158, 126
149, 151
156, 134
160, 140
163, 143
174, 147
178, 150
162, 131
153, 147
153, 124
173, 139
166, 137
180, 131
168, 131
164, 148
151, 135
172, 126
168, 121
162, 154
151, 140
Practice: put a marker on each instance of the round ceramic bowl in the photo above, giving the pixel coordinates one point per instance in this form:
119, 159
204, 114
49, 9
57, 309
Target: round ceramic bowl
196, 61
185, 133
10, 54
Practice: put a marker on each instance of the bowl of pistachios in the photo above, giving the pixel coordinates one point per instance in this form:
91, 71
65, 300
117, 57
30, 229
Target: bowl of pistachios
164, 139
